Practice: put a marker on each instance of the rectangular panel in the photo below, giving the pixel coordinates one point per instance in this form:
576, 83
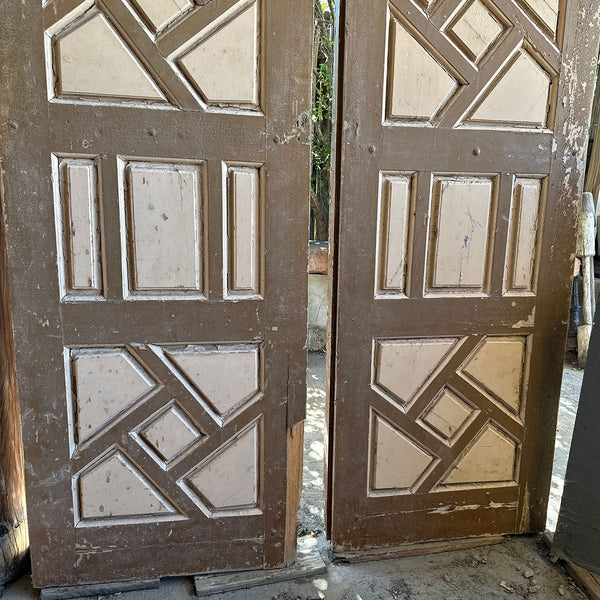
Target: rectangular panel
162, 223
242, 251
521, 254
78, 225
393, 234
462, 222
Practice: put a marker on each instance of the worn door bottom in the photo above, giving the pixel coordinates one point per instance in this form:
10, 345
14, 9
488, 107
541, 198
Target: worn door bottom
98, 589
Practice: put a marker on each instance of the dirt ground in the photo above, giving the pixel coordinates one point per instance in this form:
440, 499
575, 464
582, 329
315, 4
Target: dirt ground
518, 568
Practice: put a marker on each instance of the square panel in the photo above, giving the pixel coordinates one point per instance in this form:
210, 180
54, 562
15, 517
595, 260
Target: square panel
162, 229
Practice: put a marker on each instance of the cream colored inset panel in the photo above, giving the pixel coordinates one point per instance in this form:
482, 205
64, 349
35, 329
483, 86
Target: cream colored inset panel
397, 462
161, 12
106, 383
547, 11
224, 66
115, 488
520, 97
87, 58
164, 213
497, 364
226, 376
448, 414
81, 226
393, 232
170, 433
523, 235
403, 366
491, 459
230, 479
476, 29
243, 235
460, 227
420, 86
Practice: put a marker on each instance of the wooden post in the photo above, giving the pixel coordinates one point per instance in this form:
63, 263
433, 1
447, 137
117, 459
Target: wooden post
14, 535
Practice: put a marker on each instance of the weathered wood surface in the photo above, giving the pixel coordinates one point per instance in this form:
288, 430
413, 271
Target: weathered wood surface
98, 589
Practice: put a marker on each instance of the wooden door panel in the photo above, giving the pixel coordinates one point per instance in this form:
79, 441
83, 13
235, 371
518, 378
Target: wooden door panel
455, 228
156, 184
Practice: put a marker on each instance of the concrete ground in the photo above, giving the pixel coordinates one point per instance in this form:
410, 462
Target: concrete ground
519, 568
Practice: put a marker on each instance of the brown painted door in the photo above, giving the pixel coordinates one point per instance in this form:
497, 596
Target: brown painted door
462, 134
155, 159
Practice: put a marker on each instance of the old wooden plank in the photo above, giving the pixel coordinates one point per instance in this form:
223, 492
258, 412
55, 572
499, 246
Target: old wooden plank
97, 589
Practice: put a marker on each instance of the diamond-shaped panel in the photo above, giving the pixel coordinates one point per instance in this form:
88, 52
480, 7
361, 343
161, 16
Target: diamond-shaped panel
420, 86
403, 366
475, 30
170, 433
447, 414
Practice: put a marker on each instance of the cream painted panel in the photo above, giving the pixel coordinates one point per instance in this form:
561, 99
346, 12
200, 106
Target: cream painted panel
164, 205
402, 367
420, 86
170, 433
448, 414
462, 207
492, 458
230, 479
243, 237
523, 235
398, 462
115, 488
393, 232
106, 383
497, 365
161, 12
225, 376
519, 97
547, 10
477, 29
224, 66
79, 190
87, 56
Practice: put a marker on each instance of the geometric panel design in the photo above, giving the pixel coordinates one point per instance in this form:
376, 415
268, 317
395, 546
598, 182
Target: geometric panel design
106, 382
114, 487
448, 414
228, 480
520, 97
79, 223
160, 13
86, 60
243, 222
475, 30
397, 462
224, 66
393, 232
162, 203
491, 459
460, 242
225, 376
419, 85
403, 366
169, 433
497, 365
546, 11
524, 223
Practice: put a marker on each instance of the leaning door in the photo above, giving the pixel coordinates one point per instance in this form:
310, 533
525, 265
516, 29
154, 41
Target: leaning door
460, 155
155, 165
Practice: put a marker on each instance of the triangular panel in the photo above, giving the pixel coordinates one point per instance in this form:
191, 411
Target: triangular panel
224, 65
491, 459
420, 86
115, 488
93, 61
519, 97
397, 462
497, 365
402, 367
229, 480
225, 376
161, 12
